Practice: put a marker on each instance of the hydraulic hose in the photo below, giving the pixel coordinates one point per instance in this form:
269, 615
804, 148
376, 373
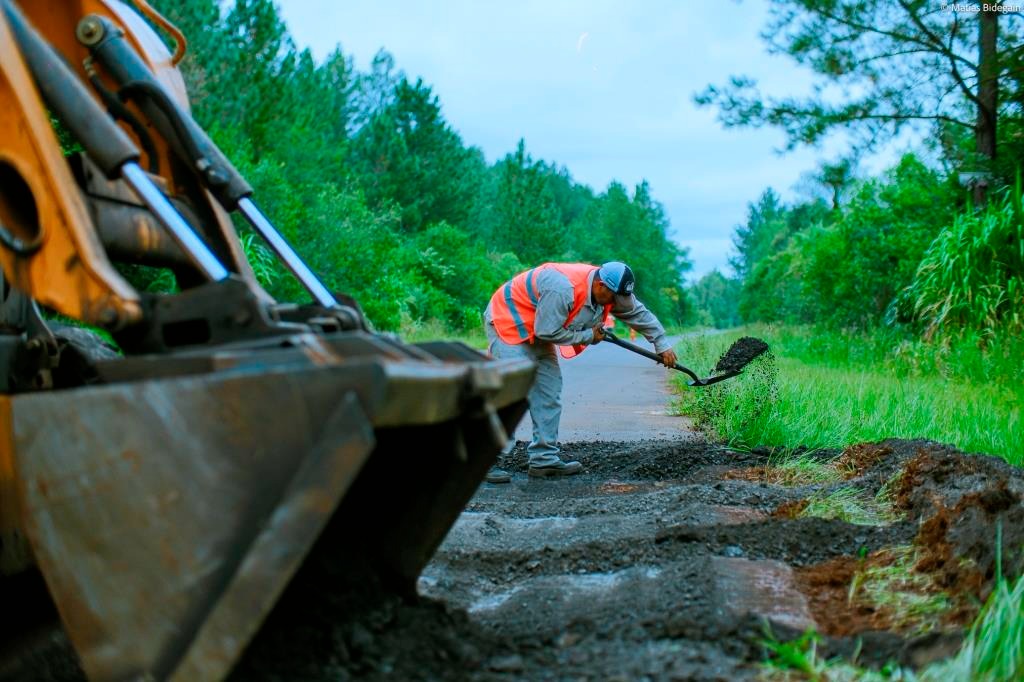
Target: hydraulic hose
117, 109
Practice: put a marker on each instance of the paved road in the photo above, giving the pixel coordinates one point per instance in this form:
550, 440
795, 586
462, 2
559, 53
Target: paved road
610, 393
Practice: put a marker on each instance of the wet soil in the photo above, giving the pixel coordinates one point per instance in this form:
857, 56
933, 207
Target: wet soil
656, 563
740, 354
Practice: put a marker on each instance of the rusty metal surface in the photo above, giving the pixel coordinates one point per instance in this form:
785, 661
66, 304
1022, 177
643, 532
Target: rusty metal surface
414, 487
144, 501
15, 554
277, 552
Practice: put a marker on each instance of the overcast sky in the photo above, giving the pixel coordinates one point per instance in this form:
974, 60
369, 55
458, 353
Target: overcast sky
603, 88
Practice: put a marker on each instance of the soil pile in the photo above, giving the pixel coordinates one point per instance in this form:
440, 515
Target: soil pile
741, 354
969, 508
660, 562
336, 622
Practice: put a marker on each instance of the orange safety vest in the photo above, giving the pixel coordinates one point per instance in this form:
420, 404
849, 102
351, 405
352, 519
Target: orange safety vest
514, 305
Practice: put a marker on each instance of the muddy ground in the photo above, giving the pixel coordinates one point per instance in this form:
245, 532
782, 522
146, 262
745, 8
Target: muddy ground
663, 561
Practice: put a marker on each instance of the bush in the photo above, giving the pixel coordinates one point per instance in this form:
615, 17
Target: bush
972, 276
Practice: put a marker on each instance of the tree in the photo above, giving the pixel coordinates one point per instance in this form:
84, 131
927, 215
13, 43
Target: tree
260, 59
635, 230
407, 153
716, 300
836, 176
758, 237
375, 90
884, 64
525, 219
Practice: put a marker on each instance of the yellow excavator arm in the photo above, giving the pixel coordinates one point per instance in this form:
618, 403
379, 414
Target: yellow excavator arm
166, 491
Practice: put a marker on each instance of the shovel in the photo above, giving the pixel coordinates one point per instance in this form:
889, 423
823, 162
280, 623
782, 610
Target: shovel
697, 381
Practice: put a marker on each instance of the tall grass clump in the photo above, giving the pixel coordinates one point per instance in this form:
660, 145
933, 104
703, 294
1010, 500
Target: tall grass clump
972, 275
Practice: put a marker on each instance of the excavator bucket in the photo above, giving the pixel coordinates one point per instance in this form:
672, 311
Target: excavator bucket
167, 496
168, 508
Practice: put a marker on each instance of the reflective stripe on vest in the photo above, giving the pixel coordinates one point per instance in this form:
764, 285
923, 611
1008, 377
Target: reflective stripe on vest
531, 295
514, 305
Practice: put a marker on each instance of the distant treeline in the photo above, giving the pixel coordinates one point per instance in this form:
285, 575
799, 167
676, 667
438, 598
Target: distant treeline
362, 173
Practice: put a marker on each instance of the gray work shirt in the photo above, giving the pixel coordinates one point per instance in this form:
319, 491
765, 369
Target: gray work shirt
554, 303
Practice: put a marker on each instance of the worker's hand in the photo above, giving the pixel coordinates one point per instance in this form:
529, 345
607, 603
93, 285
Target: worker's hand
598, 334
668, 358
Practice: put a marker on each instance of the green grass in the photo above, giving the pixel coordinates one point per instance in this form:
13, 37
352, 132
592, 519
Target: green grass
826, 390
799, 660
994, 649
912, 600
435, 330
801, 469
849, 504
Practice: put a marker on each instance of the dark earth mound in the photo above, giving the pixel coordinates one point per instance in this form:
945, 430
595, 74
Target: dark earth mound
741, 354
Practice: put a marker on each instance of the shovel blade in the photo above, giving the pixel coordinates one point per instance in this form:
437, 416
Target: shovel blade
715, 379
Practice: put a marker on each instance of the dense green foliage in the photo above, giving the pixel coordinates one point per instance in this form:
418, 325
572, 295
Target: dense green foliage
808, 264
370, 183
972, 275
905, 250
715, 300
909, 247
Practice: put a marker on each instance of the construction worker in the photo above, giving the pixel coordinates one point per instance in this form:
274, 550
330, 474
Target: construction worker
564, 305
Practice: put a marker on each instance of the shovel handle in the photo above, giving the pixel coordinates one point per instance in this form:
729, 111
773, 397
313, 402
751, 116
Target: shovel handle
609, 336
697, 381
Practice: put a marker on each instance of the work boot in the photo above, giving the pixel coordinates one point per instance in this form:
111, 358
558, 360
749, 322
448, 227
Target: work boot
496, 475
560, 469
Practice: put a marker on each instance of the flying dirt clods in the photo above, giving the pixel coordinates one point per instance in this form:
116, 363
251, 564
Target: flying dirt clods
741, 354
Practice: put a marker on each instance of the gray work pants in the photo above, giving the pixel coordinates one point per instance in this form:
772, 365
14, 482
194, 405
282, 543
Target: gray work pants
544, 398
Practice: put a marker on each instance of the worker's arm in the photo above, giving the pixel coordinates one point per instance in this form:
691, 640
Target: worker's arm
553, 307
636, 315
